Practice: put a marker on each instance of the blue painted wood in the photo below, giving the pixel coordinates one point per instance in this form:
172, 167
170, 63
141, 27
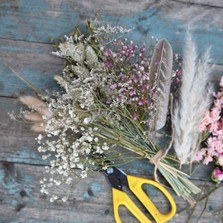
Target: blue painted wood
26, 26
31, 21
33, 61
151, 23
90, 200
17, 141
34, 21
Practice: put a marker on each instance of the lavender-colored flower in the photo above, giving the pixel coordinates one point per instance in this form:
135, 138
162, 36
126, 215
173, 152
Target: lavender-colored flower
140, 102
132, 92
134, 116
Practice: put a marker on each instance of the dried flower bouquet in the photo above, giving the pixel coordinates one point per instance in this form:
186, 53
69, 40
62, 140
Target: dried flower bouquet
114, 93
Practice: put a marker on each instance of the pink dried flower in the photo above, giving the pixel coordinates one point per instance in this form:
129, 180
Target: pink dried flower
214, 145
132, 92
134, 116
213, 125
217, 175
207, 159
131, 87
140, 103
179, 72
200, 154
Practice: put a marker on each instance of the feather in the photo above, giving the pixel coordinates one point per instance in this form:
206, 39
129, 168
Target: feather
194, 101
160, 77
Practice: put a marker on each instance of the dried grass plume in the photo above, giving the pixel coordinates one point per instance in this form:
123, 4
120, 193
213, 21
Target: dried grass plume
194, 101
38, 110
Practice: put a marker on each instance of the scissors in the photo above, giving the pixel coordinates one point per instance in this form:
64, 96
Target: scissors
118, 179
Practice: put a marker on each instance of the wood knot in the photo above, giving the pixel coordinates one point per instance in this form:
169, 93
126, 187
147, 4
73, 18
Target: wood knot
23, 193
19, 207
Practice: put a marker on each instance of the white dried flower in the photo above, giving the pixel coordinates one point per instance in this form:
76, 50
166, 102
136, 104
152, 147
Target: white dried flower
64, 199
83, 174
105, 147
87, 120
69, 180
54, 198
115, 29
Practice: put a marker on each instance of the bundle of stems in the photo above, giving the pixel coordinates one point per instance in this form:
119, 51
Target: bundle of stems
130, 135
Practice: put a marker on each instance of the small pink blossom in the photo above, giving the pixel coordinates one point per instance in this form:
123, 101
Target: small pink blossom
207, 120
219, 149
200, 154
180, 72
217, 175
140, 103
214, 144
132, 92
207, 159
134, 116
212, 123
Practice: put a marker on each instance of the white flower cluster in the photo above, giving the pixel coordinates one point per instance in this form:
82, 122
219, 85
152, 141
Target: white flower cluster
70, 140
113, 29
69, 144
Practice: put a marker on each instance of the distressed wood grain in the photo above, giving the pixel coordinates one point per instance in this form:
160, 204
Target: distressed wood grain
26, 26
89, 200
17, 141
33, 61
26, 20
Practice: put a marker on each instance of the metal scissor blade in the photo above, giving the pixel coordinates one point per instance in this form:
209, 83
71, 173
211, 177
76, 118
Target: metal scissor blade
116, 177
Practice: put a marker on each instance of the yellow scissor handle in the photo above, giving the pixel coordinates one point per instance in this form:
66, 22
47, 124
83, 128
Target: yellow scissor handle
121, 198
135, 185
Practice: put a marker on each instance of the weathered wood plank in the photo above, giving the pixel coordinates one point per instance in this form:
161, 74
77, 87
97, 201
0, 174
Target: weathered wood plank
89, 200
33, 61
25, 28
17, 141
26, 20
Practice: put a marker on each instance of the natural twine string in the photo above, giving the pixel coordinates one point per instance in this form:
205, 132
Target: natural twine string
162, 152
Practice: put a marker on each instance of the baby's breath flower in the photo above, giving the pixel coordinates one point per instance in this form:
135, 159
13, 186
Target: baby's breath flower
69, 180
54, 198
83, 174
12, 115
105, 147
112, 30
64, 199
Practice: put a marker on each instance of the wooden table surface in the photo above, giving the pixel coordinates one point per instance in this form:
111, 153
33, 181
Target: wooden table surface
25, 29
